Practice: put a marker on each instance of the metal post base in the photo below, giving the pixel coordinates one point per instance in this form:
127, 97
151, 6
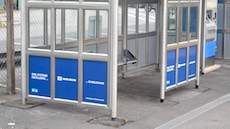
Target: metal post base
113, 119
197, 87
162, 100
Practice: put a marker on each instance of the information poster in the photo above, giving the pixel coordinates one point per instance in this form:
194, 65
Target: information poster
171, 65
95, 82
39, 76
192, 62
182, 65
66, 79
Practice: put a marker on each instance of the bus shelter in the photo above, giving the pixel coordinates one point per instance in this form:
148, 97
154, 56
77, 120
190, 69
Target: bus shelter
73, 50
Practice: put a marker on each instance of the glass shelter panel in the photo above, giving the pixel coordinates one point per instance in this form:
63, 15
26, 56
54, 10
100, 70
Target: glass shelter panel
103, 24
152, 18
183, 24
172, 25
67, 29
228, 16
193, 23
39, 28
90, 24
39, 0
132, 19
67, 0
96, 31
96, 1
119, 20
143, 8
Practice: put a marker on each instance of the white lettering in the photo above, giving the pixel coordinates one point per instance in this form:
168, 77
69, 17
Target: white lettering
39, 76
95, 99
95, 82
60, 78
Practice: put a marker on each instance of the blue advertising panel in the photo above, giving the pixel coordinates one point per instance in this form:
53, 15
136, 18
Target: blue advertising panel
39, 76
171, 65
192, 62
182, 65
66, 79
210, 49
95, 82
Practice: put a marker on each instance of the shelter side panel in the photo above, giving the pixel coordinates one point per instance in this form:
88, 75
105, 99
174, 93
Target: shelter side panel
171, 65
39, 76
95, 82
182, 65
66, 79
192, 62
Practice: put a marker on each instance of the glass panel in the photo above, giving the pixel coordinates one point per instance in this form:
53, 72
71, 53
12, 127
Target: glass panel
39, 0
172, 25
152, 18
183, 25
66, 30
90, 24
119, 20
193, 23
143, 8
96, 31
103, 24
132, 18
39, 28
67, 0
228, 16
96, 0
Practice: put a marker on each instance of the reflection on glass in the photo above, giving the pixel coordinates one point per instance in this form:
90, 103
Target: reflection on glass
183, 25
66, 30
67, 0
152, 18
132, 18
228, 16
39, 28
119, 20
90, 24
172, 25
193, 23
143, 8
103, 24
39, 0
96, 0
96, 31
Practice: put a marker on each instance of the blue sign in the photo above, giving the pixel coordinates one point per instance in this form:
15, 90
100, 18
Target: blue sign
66, 79
39, 76
171, 66
182, 65
210, 49
95, 82
192, 62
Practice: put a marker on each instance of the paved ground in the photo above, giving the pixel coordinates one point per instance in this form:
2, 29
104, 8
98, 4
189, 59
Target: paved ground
138, 103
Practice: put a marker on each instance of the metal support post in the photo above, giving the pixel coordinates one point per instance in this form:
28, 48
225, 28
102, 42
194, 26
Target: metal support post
203, 35
125, 33
164, 51
10, 48
23, 50
113, 55
198, 46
